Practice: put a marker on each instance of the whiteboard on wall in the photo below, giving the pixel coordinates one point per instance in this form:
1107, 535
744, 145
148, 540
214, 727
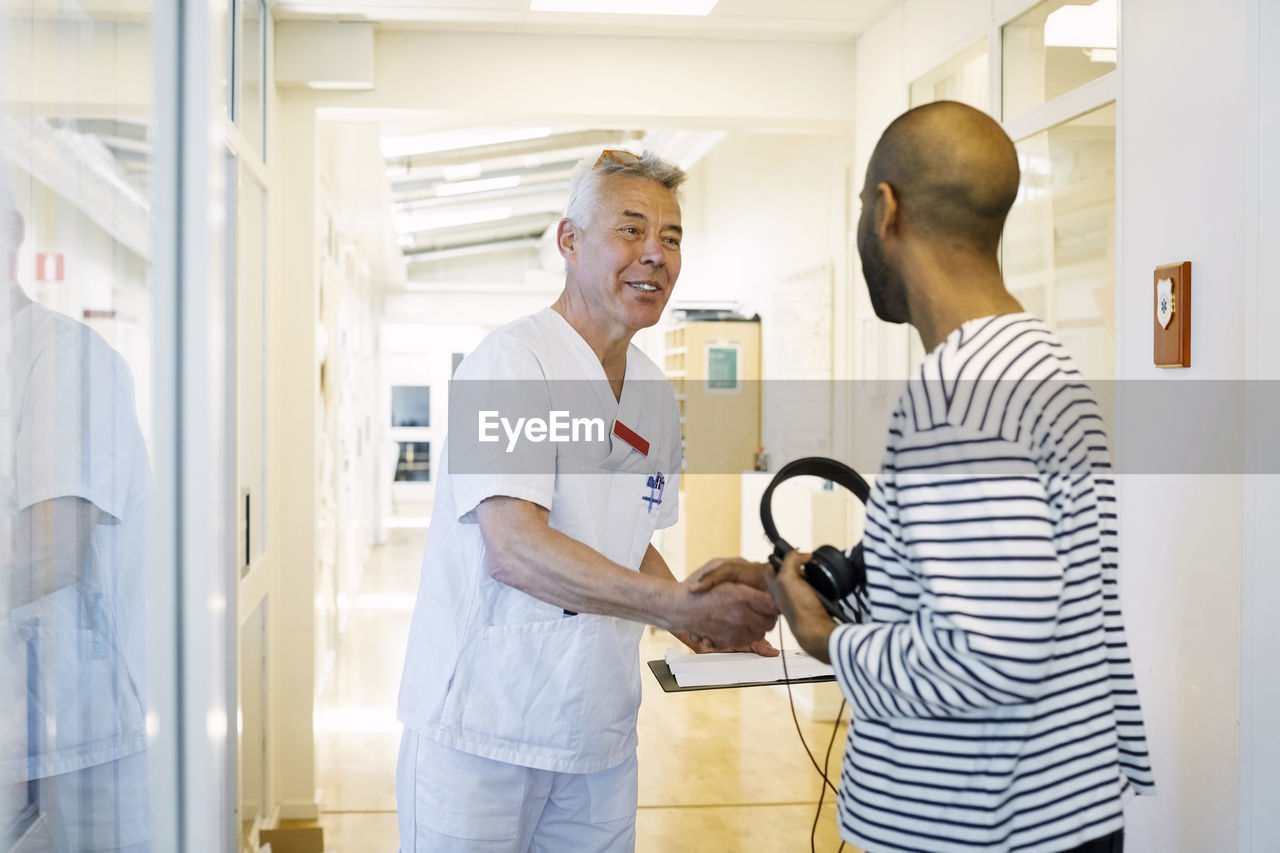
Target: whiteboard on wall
796, 396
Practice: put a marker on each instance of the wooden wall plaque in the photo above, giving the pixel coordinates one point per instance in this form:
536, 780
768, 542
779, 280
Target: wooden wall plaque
1172, 315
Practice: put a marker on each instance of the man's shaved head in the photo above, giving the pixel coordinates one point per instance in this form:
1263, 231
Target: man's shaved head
952, 175
954, 171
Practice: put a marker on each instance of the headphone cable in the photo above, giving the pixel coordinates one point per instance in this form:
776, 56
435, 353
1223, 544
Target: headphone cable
826, 762
786, 677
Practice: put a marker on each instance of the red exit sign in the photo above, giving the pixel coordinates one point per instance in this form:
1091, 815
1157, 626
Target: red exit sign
51, 266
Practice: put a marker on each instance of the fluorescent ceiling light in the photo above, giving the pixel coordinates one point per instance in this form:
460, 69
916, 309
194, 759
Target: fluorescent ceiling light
1082, 26
452, 140
414, 222
482, 185
626, 7
465, 172
338, 86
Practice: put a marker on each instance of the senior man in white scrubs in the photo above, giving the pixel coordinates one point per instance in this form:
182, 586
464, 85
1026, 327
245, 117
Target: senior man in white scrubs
522, 679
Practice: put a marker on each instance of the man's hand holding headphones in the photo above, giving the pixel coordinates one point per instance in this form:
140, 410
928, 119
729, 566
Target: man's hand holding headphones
799, 604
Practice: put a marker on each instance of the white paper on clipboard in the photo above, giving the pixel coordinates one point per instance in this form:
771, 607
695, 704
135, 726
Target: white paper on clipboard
691, 670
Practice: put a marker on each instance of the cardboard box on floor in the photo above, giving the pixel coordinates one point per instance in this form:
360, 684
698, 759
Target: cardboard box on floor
293, 840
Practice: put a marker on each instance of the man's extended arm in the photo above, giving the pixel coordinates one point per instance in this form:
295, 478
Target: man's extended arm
982, 632
525, 552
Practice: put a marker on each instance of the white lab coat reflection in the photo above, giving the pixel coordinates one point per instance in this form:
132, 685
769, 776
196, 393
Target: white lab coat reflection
72, 620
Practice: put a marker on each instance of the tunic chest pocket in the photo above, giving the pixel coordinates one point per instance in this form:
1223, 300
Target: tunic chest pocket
635, 505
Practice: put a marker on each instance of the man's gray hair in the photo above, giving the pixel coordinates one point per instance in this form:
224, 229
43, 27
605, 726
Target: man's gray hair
584, 191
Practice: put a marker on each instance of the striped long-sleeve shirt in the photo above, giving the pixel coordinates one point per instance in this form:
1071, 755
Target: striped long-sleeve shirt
994, 705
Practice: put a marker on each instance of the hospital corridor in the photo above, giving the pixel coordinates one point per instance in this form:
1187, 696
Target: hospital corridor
639, 426
698, 787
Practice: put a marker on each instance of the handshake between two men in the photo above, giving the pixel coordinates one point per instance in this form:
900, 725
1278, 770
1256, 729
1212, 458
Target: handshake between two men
741, 627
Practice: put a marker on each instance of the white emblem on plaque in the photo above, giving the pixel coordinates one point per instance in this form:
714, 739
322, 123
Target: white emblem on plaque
1164, 302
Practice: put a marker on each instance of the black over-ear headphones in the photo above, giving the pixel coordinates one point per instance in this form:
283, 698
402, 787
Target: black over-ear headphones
833, 574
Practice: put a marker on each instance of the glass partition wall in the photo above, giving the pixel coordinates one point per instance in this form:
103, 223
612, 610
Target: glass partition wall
117, 447
1058, 92
1051, 70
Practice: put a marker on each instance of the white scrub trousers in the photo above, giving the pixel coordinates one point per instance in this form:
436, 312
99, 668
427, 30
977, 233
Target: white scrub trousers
450, 802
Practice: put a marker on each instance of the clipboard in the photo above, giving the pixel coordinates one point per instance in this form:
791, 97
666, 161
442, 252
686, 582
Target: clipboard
667, 681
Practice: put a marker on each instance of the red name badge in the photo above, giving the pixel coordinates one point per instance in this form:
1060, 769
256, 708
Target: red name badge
631, 437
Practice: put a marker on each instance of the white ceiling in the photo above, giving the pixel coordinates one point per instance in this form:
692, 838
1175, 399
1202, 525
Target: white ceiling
823, 20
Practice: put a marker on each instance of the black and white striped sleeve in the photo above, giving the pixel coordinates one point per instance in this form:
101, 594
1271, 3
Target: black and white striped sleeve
971, 526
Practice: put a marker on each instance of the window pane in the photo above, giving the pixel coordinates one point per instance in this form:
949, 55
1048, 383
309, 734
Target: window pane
223, 45
1054, 48
415, 462
1059, 246
410, 406
251, 334
250, 53
962, 78
76, 425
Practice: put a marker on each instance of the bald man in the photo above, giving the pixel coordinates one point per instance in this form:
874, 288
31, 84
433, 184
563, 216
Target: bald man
994, 706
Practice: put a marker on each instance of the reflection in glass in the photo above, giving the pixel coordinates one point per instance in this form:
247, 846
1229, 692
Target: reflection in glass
73, 501
1054, 48
1058, 252
962, 78
251, 385
251, 53
75, 423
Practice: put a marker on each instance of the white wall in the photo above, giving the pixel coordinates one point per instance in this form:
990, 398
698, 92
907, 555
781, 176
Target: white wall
293, 421
685, 83
1194, 183
1182, 536
766, 220
1260, 676
759, 207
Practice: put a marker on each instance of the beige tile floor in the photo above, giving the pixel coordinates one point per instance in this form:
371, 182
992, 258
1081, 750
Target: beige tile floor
720, 770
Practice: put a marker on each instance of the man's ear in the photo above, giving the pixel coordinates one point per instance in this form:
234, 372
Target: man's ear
567, 241
887, 211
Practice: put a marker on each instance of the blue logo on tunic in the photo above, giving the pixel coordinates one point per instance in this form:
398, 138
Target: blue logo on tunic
655, 484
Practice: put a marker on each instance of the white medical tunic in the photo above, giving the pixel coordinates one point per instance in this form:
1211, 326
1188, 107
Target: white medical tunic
71, 662
490, 670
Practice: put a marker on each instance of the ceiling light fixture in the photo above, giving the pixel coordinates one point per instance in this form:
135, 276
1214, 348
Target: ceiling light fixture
415, 222
452, 140
483, 185
338, 86
464, 172
626, 7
